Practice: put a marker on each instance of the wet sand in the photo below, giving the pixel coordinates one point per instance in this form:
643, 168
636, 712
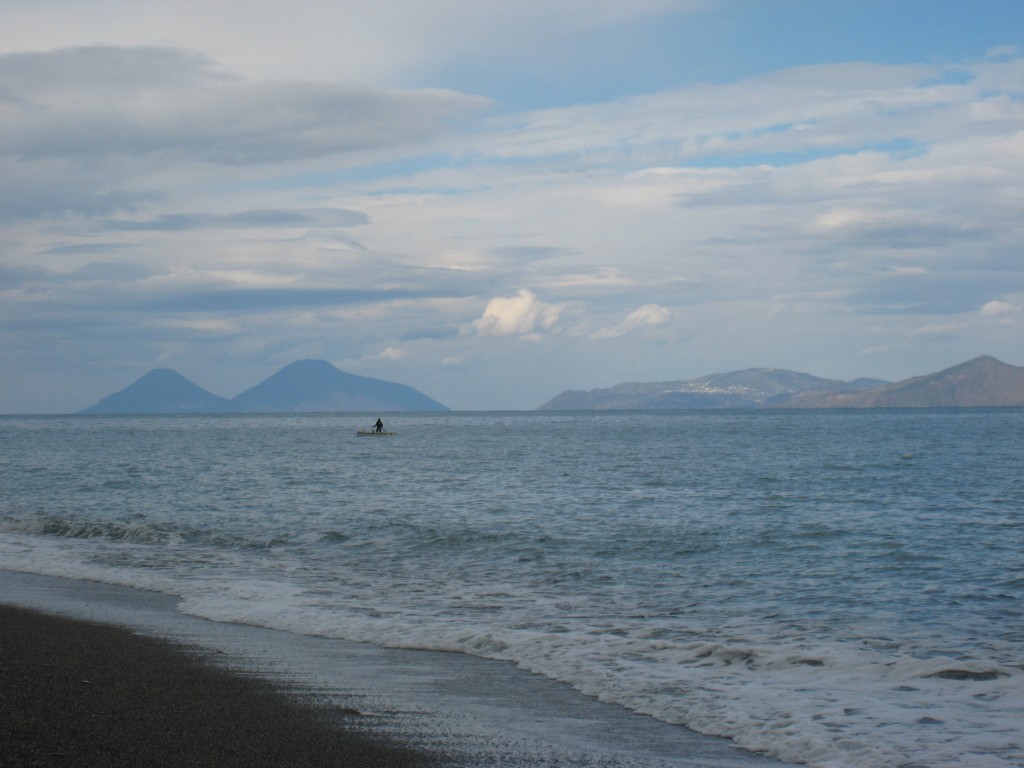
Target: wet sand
81, 694
182, 690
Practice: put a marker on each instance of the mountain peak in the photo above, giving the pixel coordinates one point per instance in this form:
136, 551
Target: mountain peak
309, 364
162, 390
316, 385
984, 360
304, 386
982, 381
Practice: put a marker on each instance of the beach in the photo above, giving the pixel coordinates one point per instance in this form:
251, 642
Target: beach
84, 694
103, 675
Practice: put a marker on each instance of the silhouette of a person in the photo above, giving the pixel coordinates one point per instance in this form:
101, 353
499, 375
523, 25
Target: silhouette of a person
379, 425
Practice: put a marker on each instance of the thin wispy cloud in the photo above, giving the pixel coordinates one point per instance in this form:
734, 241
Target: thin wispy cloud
647, 316
297, 218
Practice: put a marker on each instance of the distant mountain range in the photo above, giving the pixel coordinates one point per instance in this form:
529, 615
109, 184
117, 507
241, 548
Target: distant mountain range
983, 381
306, 386
309, 386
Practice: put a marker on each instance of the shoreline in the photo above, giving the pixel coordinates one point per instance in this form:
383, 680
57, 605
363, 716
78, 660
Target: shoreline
86, 694
419, 707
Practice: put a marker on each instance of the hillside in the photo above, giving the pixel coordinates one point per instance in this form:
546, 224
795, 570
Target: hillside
752, 388
983, 381
310, 386
305, 386
160, 391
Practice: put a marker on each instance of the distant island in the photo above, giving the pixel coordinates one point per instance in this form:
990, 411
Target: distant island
983, 381
305, 386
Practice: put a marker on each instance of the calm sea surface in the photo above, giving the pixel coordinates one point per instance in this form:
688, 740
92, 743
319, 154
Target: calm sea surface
835, 588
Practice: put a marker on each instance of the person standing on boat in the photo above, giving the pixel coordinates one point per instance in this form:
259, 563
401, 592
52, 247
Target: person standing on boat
379, 425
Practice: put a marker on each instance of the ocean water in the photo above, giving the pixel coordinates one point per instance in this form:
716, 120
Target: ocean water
834, 588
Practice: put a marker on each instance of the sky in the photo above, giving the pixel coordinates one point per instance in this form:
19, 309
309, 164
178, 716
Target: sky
494, 201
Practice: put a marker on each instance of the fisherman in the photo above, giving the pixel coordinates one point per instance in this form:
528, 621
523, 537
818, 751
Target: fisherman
379, 425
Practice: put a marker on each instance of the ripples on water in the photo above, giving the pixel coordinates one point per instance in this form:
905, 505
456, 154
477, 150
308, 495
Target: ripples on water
829, 586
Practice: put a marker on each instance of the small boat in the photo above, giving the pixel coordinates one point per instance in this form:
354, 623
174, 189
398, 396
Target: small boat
372, 433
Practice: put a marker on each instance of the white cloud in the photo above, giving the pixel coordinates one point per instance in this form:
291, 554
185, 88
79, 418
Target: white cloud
647, 316
908, 271
520, 315
997, 308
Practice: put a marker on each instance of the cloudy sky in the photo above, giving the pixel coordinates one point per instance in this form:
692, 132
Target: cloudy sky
497, 200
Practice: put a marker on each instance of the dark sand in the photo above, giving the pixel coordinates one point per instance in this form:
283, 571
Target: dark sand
74, 693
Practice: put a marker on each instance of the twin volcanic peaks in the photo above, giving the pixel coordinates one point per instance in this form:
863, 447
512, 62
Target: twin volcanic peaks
305, 386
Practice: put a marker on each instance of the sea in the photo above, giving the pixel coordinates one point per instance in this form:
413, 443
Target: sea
828, 588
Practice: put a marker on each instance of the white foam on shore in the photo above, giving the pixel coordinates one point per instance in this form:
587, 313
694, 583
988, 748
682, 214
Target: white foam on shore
831, 705
482, 711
